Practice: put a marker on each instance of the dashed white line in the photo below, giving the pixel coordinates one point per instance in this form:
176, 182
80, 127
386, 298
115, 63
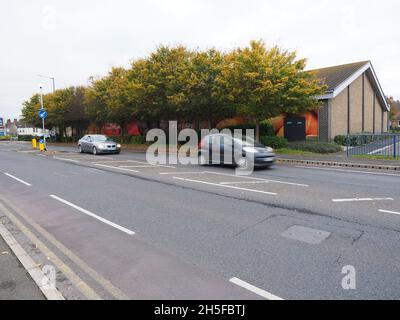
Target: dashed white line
181, 173
111, 167
259, 179
388, 211
225, 186
244, 182
254, 289
17, 179
362, 199
138, 166
63, 159
91, 214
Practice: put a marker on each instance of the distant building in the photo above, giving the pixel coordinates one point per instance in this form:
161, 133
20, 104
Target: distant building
395, 122
353, 103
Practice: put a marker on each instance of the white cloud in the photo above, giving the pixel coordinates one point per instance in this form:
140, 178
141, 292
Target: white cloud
73, 39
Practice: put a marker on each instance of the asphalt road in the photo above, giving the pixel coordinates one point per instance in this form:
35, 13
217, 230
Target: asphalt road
189, 232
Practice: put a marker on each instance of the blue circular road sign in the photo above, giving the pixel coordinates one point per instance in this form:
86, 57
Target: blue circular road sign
42, 114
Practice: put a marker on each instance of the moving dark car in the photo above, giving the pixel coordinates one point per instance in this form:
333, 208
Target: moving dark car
226, 150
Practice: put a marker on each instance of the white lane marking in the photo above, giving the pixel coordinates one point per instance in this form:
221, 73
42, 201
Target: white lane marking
259, 179
17, 179
63, 159
41, 155
182, 173
111, 167
91, 214
135, 161
254, 289
388, 211
138, 166
245, 182
113, 161
362, 199
225, 186
352, 171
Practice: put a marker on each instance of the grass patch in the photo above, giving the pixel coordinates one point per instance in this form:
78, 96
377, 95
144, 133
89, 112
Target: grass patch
377, 157
295, 152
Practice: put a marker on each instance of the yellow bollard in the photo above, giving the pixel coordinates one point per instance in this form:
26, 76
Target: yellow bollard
34, 145
41, 146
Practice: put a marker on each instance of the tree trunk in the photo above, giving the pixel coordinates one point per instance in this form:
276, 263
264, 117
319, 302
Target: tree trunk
209, 123
257, 130
121, 125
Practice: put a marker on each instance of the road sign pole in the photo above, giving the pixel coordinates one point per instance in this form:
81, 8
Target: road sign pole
42, 108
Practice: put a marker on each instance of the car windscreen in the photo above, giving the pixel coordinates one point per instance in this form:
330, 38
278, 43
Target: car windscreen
100, 138
249, 142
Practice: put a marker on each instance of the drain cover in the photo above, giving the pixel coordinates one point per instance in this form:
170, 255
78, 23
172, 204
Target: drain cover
307, 235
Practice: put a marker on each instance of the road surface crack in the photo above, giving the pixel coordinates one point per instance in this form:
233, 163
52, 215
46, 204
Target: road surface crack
255, 224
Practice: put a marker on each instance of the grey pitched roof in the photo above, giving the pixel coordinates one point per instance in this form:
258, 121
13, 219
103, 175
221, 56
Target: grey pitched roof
336, 75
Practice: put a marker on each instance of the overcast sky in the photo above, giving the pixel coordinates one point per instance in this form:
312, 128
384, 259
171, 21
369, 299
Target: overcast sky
72, 40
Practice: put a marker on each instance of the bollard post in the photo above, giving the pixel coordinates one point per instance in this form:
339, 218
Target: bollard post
395, 146
34, 144
41, 146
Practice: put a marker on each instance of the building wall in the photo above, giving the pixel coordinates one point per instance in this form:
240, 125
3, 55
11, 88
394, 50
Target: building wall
378, 116
323, 121
338, 115
356, 94
359, 95
385, 122
369, 107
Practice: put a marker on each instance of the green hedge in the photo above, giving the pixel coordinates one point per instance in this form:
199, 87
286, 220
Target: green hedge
138, 140
5, 138
316, 147
356, 140
25, 138
274, 142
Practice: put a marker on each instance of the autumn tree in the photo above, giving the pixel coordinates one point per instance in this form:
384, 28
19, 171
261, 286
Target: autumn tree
30, 109
203, 91
264, 83
160, 82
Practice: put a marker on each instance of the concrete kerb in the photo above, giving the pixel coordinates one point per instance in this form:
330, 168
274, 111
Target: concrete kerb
339, 164
30, 266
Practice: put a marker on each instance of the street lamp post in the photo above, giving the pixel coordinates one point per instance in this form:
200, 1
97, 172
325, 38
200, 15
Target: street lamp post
52, 79
41, 95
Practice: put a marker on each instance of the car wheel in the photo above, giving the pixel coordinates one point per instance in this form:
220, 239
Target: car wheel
94, 151
203, 160
80, 149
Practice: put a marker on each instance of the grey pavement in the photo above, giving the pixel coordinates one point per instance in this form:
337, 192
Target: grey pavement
15, 282
289, 230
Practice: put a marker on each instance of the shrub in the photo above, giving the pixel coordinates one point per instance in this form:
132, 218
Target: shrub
316, 147
357, 140
5, 138
138, 140
274, 142
25, 138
